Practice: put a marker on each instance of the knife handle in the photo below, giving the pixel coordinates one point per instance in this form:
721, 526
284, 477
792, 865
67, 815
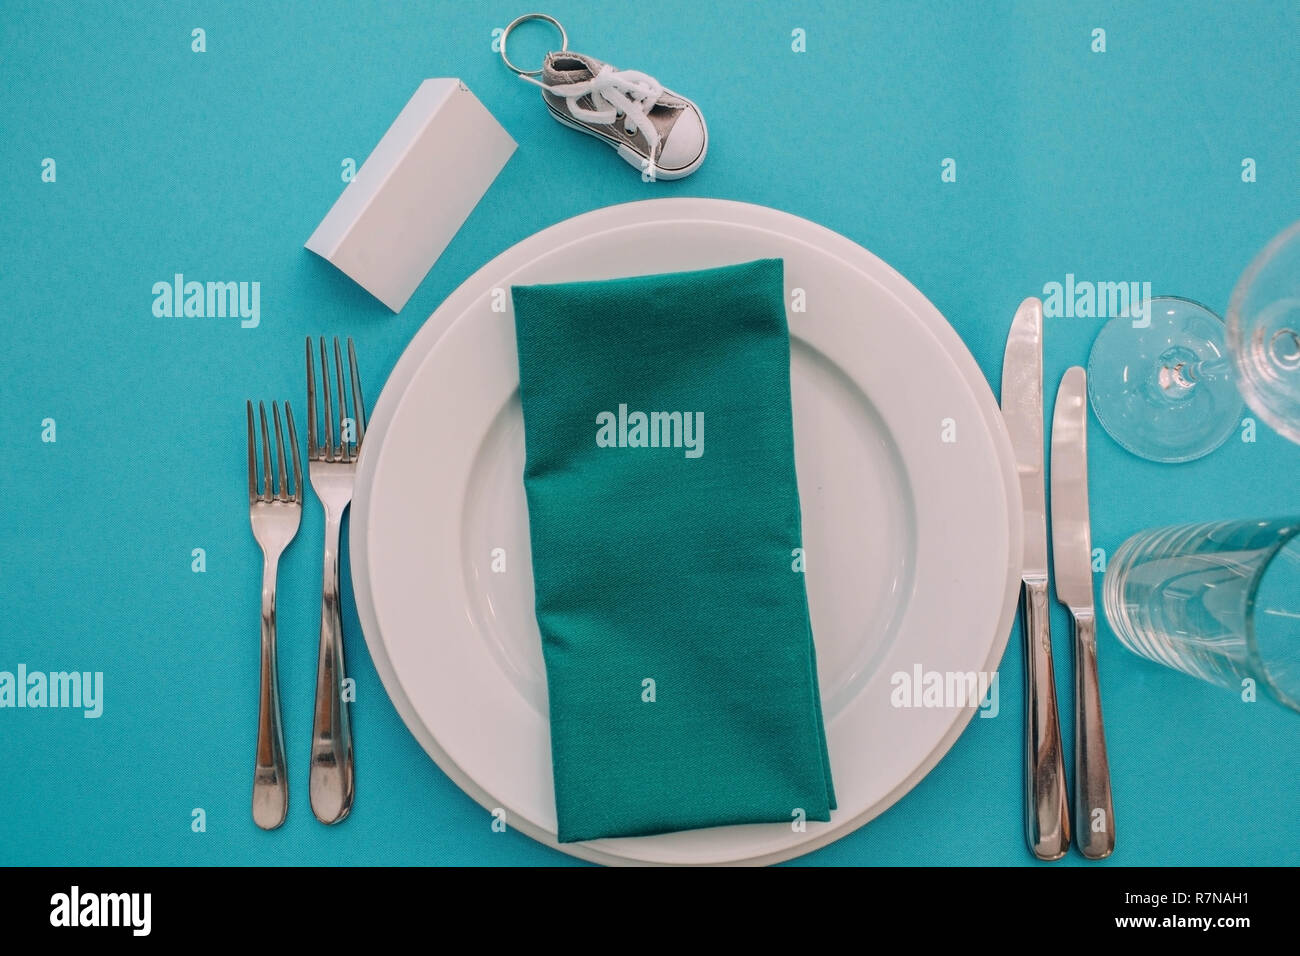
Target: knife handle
1094, 814
1047, 805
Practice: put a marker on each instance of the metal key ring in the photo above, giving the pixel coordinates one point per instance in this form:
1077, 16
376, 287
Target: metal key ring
564, 39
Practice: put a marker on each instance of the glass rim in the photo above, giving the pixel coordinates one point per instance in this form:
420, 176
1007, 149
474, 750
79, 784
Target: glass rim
1182, 298
1234, 323
1252, 271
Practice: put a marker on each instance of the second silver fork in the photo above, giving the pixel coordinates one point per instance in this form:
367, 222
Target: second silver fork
332, 467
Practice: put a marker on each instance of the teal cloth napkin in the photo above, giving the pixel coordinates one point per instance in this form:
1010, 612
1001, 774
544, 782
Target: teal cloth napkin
663, 514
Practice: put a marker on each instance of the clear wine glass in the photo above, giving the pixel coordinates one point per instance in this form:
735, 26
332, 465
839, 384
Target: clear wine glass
1162, 385
1168, 385
1264, 333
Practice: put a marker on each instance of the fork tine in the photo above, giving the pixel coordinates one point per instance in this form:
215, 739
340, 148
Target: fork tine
329, 411
266, 454
345, 446
358, 402
312, 449
281, 473
297, 461
252, 456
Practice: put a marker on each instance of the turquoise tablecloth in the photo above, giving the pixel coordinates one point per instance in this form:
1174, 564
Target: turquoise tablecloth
1122, 165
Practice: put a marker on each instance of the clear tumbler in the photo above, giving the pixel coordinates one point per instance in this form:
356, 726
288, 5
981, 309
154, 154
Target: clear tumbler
1218, 600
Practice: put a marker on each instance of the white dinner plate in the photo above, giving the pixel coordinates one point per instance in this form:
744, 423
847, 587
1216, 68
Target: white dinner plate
911, 517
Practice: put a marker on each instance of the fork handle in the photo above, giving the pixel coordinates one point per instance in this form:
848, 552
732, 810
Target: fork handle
331, 745
270, 776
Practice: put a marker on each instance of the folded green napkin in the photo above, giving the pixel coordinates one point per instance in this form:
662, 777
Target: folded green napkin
663, 512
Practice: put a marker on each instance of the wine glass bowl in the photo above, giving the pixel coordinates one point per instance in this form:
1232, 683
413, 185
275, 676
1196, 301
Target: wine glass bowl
1263, 333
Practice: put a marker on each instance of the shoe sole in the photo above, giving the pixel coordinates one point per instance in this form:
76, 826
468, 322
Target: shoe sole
630, 156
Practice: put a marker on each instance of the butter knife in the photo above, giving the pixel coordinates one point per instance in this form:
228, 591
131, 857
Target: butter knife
1094, 815
1047, 811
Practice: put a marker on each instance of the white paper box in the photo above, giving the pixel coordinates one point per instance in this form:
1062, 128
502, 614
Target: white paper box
414, 191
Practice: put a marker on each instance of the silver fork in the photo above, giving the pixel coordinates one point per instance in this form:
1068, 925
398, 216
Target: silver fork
332, 467
275, 511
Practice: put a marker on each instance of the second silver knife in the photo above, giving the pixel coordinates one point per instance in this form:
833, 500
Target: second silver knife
1094, 814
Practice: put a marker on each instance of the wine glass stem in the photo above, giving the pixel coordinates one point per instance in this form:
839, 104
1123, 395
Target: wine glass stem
1177, 372
1284, 350
1199, 370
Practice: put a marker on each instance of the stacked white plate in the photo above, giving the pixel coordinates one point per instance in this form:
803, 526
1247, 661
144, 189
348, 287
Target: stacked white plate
911, 516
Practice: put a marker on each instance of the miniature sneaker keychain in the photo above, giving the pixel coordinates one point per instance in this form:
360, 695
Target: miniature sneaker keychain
659, 132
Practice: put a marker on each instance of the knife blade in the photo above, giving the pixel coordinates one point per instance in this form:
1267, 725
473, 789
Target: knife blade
1047, 812
1094, 813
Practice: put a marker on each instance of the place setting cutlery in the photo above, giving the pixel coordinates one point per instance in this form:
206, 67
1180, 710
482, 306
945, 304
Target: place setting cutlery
1047, 815
1047, 805
332, 466
336, 428
275, 511
1094, 812
336, 422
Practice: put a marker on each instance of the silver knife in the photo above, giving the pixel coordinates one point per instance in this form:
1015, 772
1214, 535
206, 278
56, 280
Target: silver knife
1047, 812
1094, 815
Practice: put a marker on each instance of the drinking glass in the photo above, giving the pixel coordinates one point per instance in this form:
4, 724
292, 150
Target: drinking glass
1264, 334
1218, 600
1162, 386
1168, 385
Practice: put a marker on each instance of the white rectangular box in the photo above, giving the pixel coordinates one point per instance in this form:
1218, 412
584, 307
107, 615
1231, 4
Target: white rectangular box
414, 191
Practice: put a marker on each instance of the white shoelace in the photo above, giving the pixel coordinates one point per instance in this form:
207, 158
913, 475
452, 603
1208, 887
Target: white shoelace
628, 94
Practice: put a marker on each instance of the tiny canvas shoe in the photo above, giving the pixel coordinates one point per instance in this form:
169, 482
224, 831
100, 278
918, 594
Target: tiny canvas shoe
656, 130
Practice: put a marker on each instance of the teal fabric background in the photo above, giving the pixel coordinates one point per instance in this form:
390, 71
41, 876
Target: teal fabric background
1117, 166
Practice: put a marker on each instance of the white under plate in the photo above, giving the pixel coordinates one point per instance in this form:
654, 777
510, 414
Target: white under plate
912, 538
